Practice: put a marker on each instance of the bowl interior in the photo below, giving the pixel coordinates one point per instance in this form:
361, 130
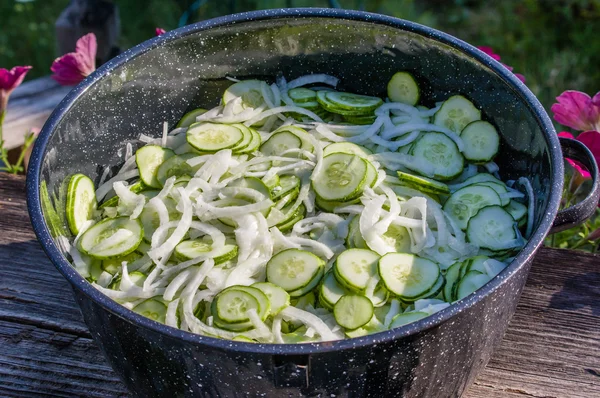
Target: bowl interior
162, 79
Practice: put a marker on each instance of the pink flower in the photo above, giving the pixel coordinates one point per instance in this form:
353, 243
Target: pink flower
577, 110
590, 139
72, 68
160, 31
9, 80
490, 51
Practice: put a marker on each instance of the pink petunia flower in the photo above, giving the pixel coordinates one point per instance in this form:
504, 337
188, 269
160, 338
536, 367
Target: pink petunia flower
577, 110
490, 51
9, 80
72, 68
590, 139
160, 31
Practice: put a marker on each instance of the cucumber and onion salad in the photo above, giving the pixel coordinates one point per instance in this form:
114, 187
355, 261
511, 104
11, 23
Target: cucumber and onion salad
294, 212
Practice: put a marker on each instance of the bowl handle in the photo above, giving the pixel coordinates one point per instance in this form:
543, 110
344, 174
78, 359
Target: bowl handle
580, 212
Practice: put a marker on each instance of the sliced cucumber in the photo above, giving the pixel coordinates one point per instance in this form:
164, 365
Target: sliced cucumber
331, 205
471, 282
300, 133
137, 187
354, 238
330, 106
112, 237
440, 153
251, 93
347, 147
423, 184
151, 221
148, 159
232, 305
342, 177
517, 210
279, 143
153, 309
190, 249
500, 189
452, 277
354, 268
481, 140
113, 266
278, 297
288, 223
406, 318
456, 112
263, 300
287, 184
353, 311
360, 120
213, 137
293, 269
353, 102
330, 291
190, 118
397, 237
466, 202
81, 202
252, 183
434, 291
403, 88
492, 228
253, 145
306, 290
407, 275
247, 138
175, 166
302, 95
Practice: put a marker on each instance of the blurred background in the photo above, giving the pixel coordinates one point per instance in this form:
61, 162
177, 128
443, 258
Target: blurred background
554, 43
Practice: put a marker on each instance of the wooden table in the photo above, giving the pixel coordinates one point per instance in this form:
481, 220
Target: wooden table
551, 349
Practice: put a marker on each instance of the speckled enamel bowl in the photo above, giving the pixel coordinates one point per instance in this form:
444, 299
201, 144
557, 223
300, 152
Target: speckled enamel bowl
164, 77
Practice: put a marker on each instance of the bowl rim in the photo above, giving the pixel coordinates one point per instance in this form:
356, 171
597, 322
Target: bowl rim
82, 286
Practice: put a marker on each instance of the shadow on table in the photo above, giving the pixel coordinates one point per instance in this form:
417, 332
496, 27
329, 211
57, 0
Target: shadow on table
579, 292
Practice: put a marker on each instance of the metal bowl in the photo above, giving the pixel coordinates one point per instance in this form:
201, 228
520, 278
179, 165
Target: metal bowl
159, 80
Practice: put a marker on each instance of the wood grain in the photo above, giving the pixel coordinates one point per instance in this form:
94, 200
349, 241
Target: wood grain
551, 349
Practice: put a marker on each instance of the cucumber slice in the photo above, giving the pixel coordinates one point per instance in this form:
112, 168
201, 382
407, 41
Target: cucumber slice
407, 275
491, 228
347, 147
304, 301
252, 183
403, 88
476, 264
471, 282
190, 249
434, 291
353, 311
232, 305
112, 237
175, 166
153, 309
113, 266
466, 202
280, 142
517, 210
95, 270
138, 187
330, 205
330, 291
253, 145
213, 137
481, 177
354, 238
397, 237
342, 177
440, 153
456, 112
406, 318
306, 290
360, 120
263, 300
481, 140
251, 93
452, 277
355, 267
287, 184
81, 202
148, 159
272, 183
293, 269
500, 189
353, 102
288, 224
151, 221
246, 139
332, 107
423, 184
278, 297
300, 133
302, 95
190, 118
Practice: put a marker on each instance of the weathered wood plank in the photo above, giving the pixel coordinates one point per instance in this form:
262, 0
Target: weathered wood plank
29, 107
551, 349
